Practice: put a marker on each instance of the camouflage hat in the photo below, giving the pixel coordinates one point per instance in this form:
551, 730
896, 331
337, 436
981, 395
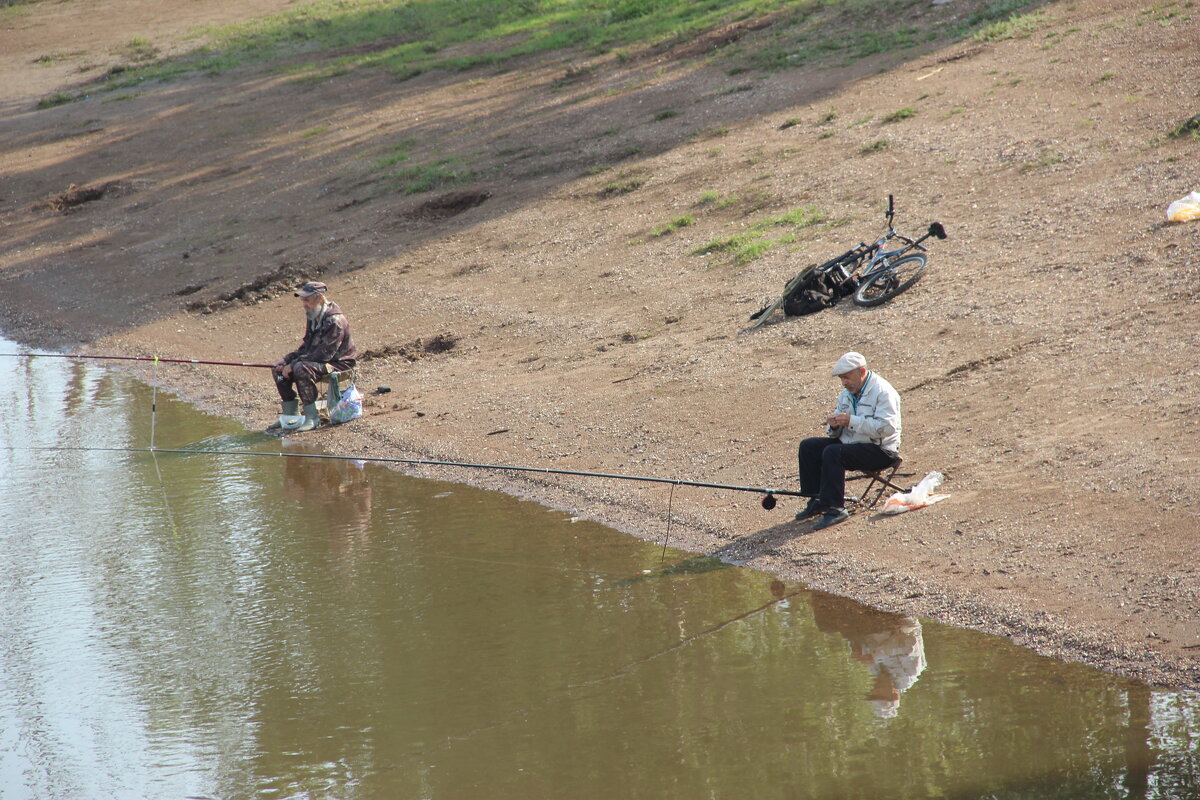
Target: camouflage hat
311, 288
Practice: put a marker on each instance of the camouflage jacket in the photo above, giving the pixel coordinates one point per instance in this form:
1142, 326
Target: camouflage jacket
326, 339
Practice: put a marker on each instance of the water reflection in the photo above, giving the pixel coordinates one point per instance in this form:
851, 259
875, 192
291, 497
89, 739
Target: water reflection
336, 493
195, 625
891, 647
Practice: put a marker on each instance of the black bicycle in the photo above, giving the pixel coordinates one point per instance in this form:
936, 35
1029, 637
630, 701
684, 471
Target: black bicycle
870, 273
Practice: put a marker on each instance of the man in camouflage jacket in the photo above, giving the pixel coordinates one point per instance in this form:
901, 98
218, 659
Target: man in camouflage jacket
327, 347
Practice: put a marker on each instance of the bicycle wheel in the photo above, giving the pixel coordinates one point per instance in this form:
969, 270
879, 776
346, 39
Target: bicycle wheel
886, 283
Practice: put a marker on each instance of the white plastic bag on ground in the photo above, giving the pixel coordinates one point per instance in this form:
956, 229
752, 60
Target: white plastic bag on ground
917, 497
1185, 209
348, 407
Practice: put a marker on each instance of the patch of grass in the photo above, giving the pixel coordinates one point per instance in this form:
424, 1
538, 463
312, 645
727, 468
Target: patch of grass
14, 9
1017, 26
1043, 161
747, 200
409, 38
56, 56
673, 225
713, 133
622, 185
874, 147
58, 99
1189, 127
754, 242
954, 112
138, 50
666, 113
790, 122
415, 37
316, 131
424, 178
400, 151
901, 114
828, 117
1107, 76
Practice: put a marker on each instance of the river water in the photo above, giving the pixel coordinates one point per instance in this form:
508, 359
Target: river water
200, 626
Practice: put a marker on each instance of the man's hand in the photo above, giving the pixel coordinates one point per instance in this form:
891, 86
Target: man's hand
283, 368
837, 420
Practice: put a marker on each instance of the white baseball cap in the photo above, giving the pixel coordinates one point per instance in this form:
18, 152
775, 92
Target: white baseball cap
850, 361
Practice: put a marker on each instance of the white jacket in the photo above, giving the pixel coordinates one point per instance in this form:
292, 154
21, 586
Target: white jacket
874, 416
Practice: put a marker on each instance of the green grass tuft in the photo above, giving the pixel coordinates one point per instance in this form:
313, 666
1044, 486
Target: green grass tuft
754, 242
58, 99
673, 225
1017, 26
896, 116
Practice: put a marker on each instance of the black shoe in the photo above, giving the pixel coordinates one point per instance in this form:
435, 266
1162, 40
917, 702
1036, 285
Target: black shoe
831, 517
813, 508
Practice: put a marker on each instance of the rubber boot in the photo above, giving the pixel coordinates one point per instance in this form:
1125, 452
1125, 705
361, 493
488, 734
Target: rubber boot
289, 407
312, 418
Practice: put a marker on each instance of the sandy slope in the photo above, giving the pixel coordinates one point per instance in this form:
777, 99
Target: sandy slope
1048, 361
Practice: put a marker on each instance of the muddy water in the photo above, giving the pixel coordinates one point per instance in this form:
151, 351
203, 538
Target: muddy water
210, 626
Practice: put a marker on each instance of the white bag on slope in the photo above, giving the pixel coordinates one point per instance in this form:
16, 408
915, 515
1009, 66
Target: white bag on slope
1185, 209
917, 497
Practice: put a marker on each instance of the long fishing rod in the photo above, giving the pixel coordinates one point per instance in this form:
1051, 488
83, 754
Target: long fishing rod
768, 501
155, 359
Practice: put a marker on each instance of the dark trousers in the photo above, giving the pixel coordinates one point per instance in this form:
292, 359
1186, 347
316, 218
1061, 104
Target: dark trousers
823, 465
304, 377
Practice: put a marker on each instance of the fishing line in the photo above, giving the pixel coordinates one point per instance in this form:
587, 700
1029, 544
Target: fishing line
155, 359
768, 501
667, 538
154, 455
153, 403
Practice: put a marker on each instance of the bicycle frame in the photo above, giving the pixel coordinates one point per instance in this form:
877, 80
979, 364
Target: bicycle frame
873, 256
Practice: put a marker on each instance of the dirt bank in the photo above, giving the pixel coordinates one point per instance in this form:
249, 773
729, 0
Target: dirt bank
1048, 361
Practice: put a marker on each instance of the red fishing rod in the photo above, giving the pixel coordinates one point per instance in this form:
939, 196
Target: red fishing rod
155, 359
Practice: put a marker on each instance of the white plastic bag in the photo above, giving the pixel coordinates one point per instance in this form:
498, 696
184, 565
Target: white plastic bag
349, 407
917, 497
1185, 209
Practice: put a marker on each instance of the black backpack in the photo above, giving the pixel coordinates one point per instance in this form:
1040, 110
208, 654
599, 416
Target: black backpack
817, 291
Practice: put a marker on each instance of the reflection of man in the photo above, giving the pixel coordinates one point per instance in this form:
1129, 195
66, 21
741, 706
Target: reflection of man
891, 646
335, 492
863, 433
326, 347
896, 658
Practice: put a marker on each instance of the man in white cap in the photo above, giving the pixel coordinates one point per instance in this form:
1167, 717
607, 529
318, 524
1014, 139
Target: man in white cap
326, 347
863, 432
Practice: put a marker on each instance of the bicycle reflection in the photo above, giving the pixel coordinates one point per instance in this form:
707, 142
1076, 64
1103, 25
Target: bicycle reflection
890, 646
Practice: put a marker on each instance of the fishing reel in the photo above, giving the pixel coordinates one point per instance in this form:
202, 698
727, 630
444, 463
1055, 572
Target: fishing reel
769, 501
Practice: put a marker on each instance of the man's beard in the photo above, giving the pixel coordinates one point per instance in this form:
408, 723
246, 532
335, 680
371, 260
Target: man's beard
315, 313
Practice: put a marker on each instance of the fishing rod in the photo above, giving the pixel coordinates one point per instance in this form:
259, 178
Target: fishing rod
155, 359
768, 500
